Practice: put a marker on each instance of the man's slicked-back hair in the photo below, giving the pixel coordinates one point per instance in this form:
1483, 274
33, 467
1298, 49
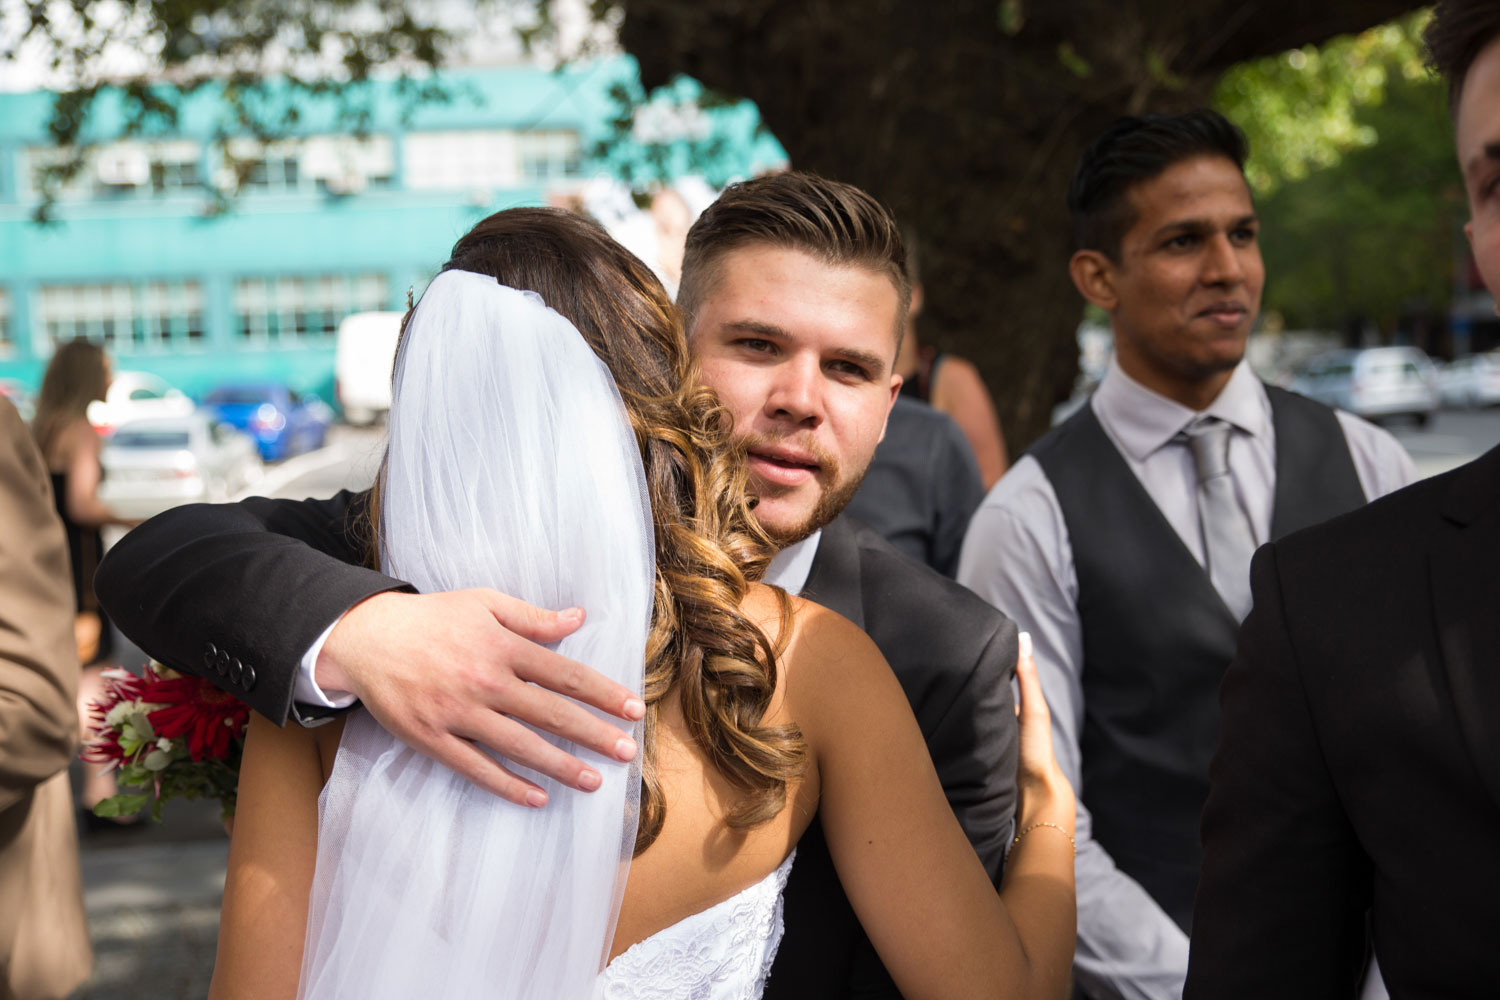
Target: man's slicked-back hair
1458, 32
833, 222
1133, 150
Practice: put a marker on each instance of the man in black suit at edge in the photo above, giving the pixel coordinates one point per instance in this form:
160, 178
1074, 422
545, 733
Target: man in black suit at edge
794, 294
1357, 779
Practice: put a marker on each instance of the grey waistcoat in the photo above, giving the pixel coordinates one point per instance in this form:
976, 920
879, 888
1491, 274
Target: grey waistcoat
1157, 638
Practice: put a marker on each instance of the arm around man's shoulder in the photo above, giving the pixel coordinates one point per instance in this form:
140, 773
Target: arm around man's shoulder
203, 586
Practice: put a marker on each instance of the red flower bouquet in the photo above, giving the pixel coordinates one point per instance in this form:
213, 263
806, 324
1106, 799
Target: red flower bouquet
174, 736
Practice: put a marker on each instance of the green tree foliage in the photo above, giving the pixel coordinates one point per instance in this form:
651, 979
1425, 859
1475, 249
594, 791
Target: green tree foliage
1351, 158
1301, 109
268, 59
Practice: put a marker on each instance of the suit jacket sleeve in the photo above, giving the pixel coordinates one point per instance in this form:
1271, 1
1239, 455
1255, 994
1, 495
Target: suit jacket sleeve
974, 746
256, 581
1281, 901
38, 654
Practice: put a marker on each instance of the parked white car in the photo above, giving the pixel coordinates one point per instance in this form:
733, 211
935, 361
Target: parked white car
364, 355
137, 396
1373, 383
1471, 381
150, 465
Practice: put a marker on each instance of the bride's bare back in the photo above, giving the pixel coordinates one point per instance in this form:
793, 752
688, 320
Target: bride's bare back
906, 866
698, 860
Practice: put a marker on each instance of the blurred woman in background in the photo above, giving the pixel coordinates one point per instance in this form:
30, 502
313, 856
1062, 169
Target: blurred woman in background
949, 383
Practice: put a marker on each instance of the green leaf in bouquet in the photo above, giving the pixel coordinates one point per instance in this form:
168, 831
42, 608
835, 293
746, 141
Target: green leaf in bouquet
157, 760
135, 774
120, 805
141, 723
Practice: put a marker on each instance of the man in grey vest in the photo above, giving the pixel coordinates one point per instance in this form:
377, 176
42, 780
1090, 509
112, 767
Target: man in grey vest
1122, 540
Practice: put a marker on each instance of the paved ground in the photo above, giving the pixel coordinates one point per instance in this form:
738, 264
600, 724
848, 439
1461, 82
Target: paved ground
154, 915
153, 893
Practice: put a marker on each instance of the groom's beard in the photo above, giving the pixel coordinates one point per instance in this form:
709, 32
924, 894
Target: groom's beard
834, 491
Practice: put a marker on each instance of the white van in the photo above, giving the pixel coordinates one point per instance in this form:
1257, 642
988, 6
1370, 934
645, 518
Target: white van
363, 359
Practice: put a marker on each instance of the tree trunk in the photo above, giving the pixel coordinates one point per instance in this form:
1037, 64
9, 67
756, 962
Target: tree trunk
966, 117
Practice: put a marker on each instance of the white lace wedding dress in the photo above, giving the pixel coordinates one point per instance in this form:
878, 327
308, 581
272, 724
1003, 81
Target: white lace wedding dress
721, 953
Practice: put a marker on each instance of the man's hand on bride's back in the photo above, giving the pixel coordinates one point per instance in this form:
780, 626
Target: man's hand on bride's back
449, 672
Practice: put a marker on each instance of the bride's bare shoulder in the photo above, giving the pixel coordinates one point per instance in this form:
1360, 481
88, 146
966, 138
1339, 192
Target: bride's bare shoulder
811, 640
796, 626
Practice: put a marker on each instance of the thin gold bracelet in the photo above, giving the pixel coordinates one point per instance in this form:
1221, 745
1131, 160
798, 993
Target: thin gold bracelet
1060, 829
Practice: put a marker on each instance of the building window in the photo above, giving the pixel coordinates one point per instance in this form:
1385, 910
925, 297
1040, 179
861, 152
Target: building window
272, 173
345, 165
481, 159
174, 167
120, 169
125, 318
123, 169
549, 156
293, 309
459, 161
275, 168
173, 176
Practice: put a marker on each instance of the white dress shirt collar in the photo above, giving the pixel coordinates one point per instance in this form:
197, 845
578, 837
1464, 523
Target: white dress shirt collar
790, 567
1142, 421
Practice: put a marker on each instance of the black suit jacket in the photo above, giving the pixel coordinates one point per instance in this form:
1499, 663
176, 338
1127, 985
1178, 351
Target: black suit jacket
238, 593
954, 656
1359, 763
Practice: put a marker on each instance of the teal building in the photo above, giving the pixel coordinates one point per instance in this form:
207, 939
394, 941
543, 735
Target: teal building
323, 224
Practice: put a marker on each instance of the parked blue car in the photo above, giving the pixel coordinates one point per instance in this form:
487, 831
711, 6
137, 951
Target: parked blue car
281, 422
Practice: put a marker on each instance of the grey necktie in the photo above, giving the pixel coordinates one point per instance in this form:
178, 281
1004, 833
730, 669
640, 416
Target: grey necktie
1228, 540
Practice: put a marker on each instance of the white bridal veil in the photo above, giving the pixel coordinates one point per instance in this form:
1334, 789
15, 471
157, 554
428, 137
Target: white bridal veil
511, 465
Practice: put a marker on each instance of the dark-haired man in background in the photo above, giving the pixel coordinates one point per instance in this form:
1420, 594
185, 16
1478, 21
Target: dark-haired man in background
1358, 781
1122, 540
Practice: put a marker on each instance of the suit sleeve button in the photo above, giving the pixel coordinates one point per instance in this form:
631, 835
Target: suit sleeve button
221, 662
247, 680
210, 654
236, 668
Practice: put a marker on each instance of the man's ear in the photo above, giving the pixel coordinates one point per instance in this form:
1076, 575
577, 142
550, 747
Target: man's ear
1093, 275
896, 381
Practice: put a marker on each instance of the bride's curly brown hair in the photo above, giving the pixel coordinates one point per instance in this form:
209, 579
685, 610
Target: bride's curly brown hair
708, 546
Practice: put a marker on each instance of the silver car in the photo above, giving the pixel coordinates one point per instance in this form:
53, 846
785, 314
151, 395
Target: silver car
1375, 382
1471, 381
150, 465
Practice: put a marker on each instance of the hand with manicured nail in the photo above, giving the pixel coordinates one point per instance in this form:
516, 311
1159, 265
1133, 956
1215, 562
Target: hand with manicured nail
1046, 795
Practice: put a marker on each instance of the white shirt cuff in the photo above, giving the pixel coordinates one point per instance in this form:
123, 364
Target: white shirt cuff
306, 690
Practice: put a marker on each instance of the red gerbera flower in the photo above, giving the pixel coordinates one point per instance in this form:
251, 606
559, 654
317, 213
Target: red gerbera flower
194, 710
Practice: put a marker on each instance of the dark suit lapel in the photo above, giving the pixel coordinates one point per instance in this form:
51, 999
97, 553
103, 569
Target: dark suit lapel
834, 579
1465, 576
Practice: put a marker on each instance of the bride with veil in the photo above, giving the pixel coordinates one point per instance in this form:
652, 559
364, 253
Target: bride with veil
549, 439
